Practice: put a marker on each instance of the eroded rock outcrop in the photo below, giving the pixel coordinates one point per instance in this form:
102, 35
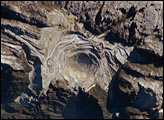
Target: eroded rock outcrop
67, 59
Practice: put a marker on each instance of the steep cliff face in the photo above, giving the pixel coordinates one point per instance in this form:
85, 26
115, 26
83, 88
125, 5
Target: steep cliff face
81, 59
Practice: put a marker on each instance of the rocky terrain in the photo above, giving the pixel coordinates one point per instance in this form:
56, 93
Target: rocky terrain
81, 59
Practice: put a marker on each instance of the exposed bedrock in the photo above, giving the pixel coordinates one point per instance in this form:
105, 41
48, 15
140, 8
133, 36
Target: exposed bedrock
133, 23
68, 59
137, 86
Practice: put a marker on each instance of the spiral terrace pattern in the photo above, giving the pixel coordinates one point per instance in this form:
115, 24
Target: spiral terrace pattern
67, 54
63, 59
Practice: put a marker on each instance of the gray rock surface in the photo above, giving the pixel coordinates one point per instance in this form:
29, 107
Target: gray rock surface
82, 59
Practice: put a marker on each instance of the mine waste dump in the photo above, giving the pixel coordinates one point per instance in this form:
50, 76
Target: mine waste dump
80, 60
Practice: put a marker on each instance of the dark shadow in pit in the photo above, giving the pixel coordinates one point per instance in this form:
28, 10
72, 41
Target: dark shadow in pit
82, 106
84, 59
